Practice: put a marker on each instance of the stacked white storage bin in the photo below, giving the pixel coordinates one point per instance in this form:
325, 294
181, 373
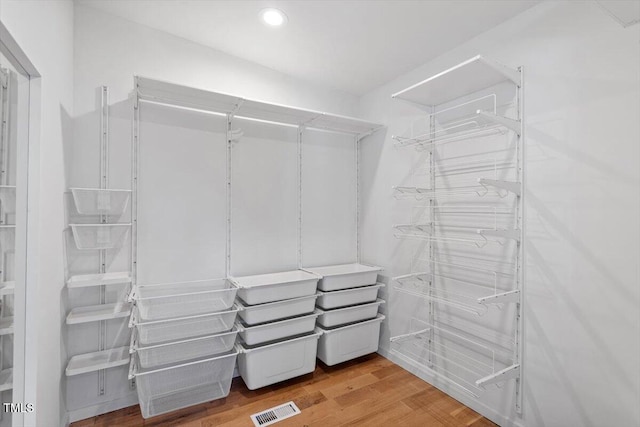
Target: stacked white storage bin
277, 326
182, 343
348, 311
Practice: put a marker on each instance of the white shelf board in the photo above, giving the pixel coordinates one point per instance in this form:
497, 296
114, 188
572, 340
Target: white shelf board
95, 313
7, 288
6, 326
87, 280
184, 96
90, 362
468, 77
6, 379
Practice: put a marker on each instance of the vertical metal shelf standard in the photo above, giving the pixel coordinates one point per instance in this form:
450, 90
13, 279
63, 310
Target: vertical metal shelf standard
467, 78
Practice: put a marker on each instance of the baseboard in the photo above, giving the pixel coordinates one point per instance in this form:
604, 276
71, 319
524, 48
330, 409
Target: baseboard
468, 401
103, 408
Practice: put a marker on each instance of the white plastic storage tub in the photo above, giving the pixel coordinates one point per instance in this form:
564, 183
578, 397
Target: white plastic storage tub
164, 301
99, 236
161, 331
260, 334
269, 364
344, 343
350, 314
265, 288
180, 351
269, 312
98, 201
174, 387
343, 298
344, 276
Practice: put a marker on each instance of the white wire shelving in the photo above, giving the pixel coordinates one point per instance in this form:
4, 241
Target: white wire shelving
455, 357
471, 196
98, 231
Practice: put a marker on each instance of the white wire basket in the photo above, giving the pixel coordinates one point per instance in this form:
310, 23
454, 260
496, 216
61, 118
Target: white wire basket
97, 201
180, 351
99, 236
168, 389
162, 331
172, 300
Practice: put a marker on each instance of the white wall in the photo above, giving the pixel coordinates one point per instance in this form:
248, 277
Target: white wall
44, 31
182, 214
582, 313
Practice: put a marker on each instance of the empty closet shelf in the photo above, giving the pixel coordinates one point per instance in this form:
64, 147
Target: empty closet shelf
465, 78
477, 125
99, 236
161, 331
6, 325
95, 313
345, 276
260, 366
174, 387
153, 356
350, 314
265, 288
86, 280
271, 311
7, 288
6, 379
97, 201
458, 359
260, 334
345, 297
347, 342
90, 362
172, 300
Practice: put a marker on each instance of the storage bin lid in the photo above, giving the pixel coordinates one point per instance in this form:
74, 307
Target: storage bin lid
275, 278
342, 269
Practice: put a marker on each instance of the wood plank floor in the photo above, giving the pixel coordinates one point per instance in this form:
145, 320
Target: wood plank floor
370, 391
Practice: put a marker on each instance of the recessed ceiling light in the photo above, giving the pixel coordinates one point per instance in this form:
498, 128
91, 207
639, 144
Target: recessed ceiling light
273, 17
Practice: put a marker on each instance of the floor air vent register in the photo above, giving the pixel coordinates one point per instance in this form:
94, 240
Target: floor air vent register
273, 415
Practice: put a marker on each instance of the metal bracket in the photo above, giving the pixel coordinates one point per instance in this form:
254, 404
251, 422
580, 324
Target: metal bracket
507, 234
510, 296
235, 135
512, 186
505, 374
511, 124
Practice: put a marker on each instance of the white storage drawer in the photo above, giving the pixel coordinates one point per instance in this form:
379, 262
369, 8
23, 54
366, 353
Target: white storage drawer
269, 364
344, 343
344, 276
350, 314
343, 298
161, 331
265, 288
180, 351
269, 312
259, 334
171, 300
168, 389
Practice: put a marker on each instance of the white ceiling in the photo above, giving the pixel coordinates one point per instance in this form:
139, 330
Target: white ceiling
352, 45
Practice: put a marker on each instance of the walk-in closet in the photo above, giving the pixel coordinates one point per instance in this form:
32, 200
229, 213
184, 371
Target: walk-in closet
319, 213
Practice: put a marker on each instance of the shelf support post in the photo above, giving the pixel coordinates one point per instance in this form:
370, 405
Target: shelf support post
104, 184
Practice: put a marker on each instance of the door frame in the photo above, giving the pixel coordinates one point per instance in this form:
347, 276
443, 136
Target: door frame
25, 354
